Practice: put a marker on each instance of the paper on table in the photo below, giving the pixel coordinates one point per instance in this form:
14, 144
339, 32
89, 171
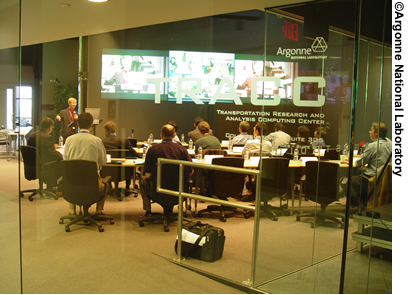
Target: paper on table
305, 159
237, 149
191, 238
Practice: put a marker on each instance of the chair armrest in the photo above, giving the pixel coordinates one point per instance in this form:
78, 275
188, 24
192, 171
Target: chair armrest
106, 179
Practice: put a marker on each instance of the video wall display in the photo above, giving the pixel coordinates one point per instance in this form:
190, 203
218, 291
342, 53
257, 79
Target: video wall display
246, 70
125, 73
207, 69
191, 75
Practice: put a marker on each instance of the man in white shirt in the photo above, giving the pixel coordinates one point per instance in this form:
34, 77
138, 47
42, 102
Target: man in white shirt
254, 146
279, 137
85, 146
243, 136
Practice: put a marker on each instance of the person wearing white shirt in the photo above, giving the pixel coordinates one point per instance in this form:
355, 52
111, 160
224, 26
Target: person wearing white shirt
85, 146
279, 137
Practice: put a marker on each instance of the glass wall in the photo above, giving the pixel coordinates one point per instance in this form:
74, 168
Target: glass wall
267, 67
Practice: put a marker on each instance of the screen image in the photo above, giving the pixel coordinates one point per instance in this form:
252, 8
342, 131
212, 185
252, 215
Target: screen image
124, 73
209, 67
338, 86
246, 70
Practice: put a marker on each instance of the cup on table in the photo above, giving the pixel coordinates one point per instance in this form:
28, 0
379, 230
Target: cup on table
343, 158
108, 158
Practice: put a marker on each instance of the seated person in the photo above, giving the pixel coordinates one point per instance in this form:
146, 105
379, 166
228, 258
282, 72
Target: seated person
279, 137
176, 139
207, 141
254, 145
374, 157
302, 144
166, 149
112, 141
195, 134
319, 135
45, 144
243, 136
85, 146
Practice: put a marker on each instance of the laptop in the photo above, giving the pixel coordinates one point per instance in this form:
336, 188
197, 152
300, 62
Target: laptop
95, 114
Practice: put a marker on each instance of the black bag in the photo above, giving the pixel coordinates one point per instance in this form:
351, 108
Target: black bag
209, 244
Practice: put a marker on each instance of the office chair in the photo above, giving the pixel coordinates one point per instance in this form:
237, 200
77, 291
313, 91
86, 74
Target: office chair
381, 184
5, 141
170, 181
33, 169
224, 185
321, 185
274, 182
118, 173
81, 187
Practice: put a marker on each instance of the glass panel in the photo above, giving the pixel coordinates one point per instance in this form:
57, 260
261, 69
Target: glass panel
9, 191
369, 268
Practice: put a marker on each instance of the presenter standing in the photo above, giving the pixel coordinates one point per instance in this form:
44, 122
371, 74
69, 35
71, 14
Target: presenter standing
66, 117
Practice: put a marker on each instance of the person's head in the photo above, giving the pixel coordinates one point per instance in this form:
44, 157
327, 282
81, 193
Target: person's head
47, 124
174, 124
85, 120
258, 127
110, 127
203, 127
72, 103
278, 126
375, 132
320, 132
167, 132
244, 126
197, 121
303, 131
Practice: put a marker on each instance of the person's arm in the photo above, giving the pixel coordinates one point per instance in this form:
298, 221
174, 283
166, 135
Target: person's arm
128, 146
55, 155
101, 153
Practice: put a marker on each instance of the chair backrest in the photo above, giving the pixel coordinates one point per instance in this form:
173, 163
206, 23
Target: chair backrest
170, 181
215, 152
80, 184
275, 175
118, 153
226, 184
3, 136
331, 154
32, 162
322, 181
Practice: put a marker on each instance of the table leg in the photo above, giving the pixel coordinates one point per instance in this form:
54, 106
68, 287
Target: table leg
360, 230
292, 189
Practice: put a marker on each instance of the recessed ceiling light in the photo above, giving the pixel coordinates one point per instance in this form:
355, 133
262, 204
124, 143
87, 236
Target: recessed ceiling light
98, 0
65, 5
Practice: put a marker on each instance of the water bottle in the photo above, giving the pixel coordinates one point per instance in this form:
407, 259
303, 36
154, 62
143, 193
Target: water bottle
133, 133
296, 155
273, 147
60, 141
200, 153
151, 137
144, 153
345, 149
182, 138
246, 154
190, 144
230, 144
149, 141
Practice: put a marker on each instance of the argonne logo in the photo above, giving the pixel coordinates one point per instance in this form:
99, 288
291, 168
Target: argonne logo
319, 45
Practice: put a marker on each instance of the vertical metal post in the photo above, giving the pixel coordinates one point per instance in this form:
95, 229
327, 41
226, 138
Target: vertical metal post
180, 212
256, 229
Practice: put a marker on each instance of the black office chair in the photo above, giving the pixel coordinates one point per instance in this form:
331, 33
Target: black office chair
224, 185
81, 187
170, 181
33, 169
118, 173
321, 185
274, 182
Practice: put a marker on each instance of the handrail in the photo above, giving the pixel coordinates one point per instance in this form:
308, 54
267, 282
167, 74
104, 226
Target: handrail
182, 195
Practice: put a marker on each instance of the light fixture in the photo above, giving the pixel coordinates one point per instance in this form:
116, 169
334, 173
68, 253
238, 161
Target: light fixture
65, 5
98, 0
